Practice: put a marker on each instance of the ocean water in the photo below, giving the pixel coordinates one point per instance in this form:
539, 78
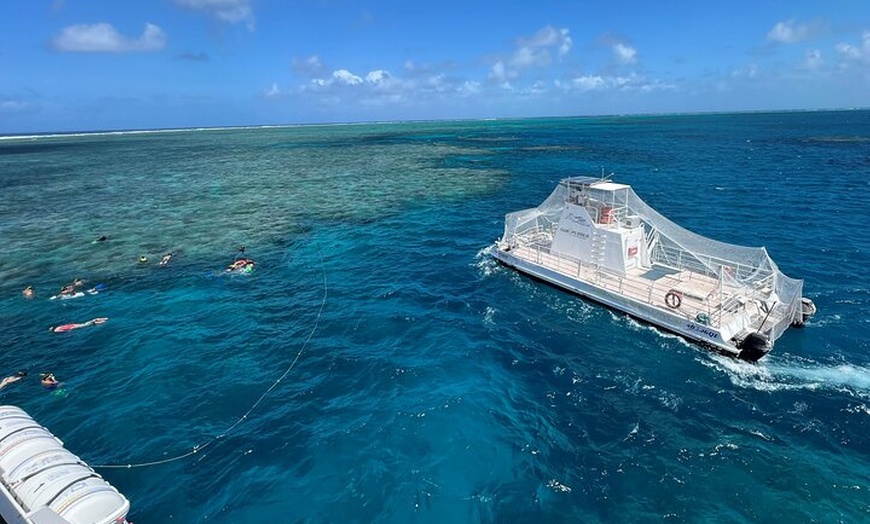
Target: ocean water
378, 366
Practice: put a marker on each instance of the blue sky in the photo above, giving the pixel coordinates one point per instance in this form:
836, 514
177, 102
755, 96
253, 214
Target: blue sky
69, 65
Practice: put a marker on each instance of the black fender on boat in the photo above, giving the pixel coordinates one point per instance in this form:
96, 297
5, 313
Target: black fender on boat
753, 347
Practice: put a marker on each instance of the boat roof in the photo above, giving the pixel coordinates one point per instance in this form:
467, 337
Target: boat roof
609, 186
601, 184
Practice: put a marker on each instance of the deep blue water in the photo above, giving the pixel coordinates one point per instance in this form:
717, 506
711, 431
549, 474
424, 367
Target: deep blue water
426, 383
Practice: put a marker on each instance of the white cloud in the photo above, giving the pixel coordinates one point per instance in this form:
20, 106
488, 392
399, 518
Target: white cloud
538, 88
379, 77
588, 82
812, 59
860, 53
343, 76
104, 38
422, 69
530, 56
790, 32
230, 11
10, 105
273, 91
625, 54
500, 73
750, 71
435, 83
549, 37
848, 51
535, 51
379, 87
469, 88
632, 82
311, 66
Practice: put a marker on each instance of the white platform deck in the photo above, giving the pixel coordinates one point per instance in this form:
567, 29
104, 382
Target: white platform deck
700, 293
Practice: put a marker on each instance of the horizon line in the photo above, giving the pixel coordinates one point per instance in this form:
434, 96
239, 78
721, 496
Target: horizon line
112, 132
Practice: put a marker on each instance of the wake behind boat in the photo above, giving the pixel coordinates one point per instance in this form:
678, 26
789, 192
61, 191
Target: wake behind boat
598, 239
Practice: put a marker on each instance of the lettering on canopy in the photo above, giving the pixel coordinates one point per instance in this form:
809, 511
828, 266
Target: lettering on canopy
573, 233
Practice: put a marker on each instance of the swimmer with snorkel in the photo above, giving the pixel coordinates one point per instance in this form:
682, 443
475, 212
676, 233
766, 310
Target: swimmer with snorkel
12, 379
70, 289
242, 265
63, 328
48, 381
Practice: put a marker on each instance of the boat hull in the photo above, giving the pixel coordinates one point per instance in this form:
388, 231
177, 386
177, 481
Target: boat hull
706, 336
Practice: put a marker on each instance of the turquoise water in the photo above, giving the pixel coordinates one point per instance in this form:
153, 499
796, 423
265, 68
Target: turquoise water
419, 380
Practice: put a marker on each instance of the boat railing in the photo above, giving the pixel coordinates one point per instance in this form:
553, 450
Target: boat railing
715, 311
601, 276
765, 285
637, 290
626, 285
703, 264
537, 234
730, 305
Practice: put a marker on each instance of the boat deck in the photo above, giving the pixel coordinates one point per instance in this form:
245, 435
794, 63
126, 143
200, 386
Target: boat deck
699, 293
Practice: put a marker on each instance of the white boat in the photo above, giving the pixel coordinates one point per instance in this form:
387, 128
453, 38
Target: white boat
598, 239
43, 483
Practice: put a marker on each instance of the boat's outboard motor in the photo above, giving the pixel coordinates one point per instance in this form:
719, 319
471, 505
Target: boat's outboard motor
754, 346
808, 309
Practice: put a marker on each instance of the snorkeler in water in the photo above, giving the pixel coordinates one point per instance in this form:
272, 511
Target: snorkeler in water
48, 380
63, 328
241, 264
70, 288
12, 378
165, 260
27, 292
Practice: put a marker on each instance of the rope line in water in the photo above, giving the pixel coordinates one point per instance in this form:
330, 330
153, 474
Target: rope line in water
199, 447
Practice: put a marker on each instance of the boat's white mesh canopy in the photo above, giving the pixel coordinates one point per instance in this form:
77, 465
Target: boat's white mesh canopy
668, 244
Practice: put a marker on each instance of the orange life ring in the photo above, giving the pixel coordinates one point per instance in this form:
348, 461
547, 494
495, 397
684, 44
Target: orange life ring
673, 299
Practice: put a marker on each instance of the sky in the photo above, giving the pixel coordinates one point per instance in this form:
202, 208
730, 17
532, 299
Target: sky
79, 65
